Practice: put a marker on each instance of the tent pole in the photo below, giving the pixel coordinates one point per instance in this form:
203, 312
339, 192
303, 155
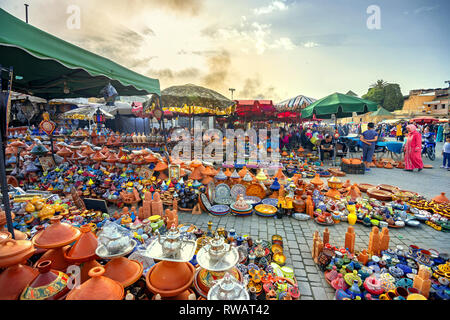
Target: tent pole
3, 181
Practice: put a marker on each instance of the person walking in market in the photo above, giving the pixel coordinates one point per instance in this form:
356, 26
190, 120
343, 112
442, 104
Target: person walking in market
369, 139
446, 153
413, 149
399, 132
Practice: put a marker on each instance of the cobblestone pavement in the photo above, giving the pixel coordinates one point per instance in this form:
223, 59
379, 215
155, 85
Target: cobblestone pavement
297, 235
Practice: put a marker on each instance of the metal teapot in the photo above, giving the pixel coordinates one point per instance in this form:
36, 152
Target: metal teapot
217, 248
172, 242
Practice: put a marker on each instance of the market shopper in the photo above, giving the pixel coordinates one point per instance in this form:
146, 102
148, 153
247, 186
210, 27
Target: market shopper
369, 139
446, 154
413, 149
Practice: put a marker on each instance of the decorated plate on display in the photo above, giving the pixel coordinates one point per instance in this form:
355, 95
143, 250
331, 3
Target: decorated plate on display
265, 210
221, 192
256, 190
323, 223
252, 200
219, 210
270, 201
236, 190
205, 201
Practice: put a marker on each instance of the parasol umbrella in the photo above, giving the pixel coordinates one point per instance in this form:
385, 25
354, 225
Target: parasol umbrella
424, 119
341, 105
191, 95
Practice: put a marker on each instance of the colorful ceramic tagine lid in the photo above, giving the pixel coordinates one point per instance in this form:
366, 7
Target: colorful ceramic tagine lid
235, 175
261, 176
48, 285
57, 234
351, 277
84, 249
221, 176
247, 177
441, 198
12, 251
124, 270
228, 288
98, 287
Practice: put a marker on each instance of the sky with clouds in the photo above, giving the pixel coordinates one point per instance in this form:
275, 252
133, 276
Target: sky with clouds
272, 49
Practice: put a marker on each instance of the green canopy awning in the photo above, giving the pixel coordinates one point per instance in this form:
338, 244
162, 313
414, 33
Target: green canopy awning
44, 65
339, 104
381, 112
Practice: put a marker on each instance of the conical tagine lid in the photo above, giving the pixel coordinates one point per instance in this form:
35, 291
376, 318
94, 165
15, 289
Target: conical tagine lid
57, 234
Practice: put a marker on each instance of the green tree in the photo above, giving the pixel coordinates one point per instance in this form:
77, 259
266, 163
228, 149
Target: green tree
393, 97
387, 95
380, 84
375, 95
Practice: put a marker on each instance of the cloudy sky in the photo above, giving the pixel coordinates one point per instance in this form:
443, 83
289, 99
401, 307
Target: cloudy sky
272, 49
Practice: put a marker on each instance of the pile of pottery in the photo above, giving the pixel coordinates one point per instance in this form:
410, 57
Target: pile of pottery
381, 273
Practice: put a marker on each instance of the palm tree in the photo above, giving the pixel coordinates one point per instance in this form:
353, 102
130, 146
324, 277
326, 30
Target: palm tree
380, 84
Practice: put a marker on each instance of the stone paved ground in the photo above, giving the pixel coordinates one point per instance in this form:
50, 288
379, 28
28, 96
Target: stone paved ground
297, 235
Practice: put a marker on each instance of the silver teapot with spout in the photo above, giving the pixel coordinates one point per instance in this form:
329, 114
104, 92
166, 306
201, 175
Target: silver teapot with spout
228, 288
172, 242
217, 248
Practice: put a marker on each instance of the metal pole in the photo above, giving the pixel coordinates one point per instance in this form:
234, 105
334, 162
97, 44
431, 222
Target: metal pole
3, 181
26, 13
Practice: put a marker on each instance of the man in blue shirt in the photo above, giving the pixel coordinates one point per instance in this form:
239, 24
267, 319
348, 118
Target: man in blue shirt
369, 139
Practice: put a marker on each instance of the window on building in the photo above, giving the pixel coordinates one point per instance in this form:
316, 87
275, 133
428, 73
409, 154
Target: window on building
435, 107
443, 106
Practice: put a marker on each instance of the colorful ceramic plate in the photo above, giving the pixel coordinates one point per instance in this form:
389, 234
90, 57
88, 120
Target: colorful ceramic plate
219, 210
277, 248
256, 190
270, 201
252, 200
266, 209
221, 193
236, 190
205, 201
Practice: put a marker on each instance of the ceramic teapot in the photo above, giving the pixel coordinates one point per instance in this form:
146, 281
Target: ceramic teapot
217, 248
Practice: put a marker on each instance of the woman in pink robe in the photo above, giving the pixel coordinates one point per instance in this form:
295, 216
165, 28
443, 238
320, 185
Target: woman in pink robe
413, 149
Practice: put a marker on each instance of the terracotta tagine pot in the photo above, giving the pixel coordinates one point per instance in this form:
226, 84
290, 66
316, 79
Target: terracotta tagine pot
16, 277
84, 248
441, 198
169, 278
56, 235
56, 256
48, 285
14, 280
317, 182
98, 287
86, 267
13, 252
124, 271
